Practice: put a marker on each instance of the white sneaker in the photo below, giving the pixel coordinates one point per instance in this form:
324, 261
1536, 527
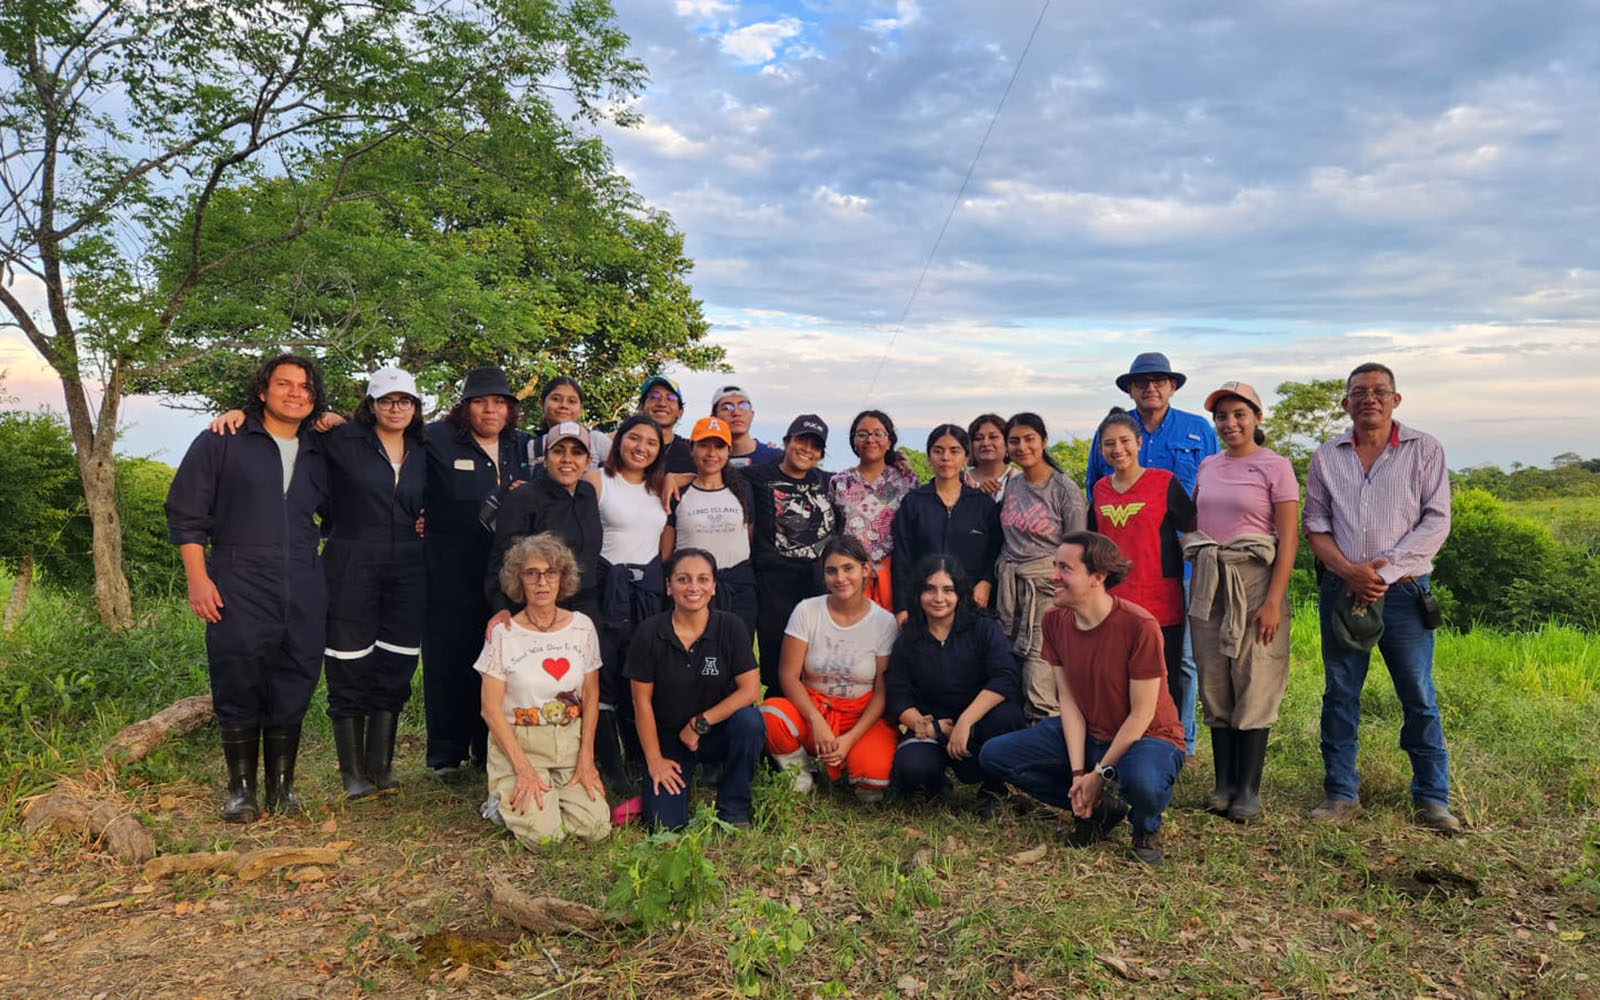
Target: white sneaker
868, 793
798, 766
490, 810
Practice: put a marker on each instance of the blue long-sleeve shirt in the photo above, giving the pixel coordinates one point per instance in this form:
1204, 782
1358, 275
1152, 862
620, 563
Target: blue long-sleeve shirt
1178, 444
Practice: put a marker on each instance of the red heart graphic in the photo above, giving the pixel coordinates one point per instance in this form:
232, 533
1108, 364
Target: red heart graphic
557, 668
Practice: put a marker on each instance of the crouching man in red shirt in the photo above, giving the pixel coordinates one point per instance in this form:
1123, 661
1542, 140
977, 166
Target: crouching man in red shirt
1117, 746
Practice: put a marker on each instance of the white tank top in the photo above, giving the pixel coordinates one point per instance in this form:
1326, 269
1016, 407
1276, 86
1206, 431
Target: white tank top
631, 520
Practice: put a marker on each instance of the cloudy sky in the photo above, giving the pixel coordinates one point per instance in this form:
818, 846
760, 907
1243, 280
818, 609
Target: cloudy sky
1263, 191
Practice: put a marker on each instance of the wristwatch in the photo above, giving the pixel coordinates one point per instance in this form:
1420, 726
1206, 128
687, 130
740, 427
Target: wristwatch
700, 725
1106, 772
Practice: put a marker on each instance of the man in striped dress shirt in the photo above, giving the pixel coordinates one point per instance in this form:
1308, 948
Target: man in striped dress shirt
1377, 511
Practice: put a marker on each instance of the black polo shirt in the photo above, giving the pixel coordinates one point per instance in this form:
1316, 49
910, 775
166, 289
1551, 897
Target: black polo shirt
687, 682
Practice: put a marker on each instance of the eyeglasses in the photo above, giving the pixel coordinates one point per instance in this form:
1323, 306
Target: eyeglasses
661, 396
395, 403
1381, 395
541, 575
1146, 381
872, 435
742, 406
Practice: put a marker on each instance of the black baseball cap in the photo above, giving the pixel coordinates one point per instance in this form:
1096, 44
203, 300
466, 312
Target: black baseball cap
808, 423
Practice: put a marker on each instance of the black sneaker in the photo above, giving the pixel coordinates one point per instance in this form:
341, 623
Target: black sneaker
989, 806
1147, 847
1101, 822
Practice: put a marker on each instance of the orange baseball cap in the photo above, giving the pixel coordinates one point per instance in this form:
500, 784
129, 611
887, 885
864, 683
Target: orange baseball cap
711, 427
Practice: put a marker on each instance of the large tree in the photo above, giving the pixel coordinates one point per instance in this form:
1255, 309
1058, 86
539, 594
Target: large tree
522, 249
118, 116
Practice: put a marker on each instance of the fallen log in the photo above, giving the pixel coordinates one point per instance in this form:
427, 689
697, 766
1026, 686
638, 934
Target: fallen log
135, 742
546, 914
103, 819
97, 819
258, 863
182, 864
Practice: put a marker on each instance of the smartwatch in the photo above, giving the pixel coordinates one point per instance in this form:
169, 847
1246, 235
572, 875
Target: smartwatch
700, 725
1106, 772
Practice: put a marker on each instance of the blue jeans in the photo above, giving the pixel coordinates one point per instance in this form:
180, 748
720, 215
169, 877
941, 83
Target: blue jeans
1189, 684
1036, 761
1407, 649
735, 741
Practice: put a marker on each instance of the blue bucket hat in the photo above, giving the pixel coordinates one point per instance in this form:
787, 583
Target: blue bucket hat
1153, 363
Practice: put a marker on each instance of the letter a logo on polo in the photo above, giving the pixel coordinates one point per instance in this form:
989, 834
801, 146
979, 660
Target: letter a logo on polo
1119, 514
709, 668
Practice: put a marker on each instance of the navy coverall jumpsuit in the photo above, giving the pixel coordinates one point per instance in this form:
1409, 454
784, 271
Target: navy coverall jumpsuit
265, 654
461, 477
376, 576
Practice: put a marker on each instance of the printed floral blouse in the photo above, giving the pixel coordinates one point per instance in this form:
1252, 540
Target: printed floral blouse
868, 508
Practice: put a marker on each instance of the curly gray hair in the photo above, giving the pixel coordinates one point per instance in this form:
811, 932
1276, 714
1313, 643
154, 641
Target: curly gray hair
544, 546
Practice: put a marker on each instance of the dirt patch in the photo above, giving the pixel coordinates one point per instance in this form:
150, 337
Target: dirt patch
1422, 883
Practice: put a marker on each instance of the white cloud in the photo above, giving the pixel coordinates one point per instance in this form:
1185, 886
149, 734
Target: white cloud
758, 43
838, 201
704, 9
907, 13
667, 140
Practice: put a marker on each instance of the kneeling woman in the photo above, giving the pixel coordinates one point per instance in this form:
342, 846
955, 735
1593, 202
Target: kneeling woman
835, 650
952, 682
541, 696
695, 688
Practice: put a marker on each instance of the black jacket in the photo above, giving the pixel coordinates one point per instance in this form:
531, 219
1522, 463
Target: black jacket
942, 678
461, 477
542, 504
228, 491
369, 503
970, 532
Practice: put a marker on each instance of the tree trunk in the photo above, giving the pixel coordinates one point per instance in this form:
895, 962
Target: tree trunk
98, 472
19, 592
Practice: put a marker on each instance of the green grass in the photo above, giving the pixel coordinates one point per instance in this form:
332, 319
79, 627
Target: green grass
896, 897
1572, 520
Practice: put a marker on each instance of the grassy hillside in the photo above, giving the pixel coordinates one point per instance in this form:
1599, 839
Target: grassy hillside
829, 898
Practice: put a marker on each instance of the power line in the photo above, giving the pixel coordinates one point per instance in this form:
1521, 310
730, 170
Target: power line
934, 250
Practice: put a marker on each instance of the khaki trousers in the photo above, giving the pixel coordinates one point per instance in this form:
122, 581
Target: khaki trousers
553, 752
1242, 692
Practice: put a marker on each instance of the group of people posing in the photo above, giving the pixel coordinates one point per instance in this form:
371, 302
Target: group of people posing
598, 615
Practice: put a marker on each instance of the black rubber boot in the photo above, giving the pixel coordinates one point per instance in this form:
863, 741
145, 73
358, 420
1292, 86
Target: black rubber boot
1225, 758
349, 739
241, 749
1250, 755
281, 746
608, 757
381, 727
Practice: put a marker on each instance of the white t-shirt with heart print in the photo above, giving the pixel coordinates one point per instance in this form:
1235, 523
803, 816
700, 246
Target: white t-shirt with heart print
539, 666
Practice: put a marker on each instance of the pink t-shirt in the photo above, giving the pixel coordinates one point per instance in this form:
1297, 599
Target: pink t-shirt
1234, 496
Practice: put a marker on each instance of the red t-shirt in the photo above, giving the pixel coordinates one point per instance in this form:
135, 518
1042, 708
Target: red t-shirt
1099, 662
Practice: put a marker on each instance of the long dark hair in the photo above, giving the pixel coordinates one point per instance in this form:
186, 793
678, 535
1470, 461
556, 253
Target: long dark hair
890, 457
736, 483
551, 386
966, 609
655, 474
366, 414
255, 406
1036, 423
951, 430
461, 416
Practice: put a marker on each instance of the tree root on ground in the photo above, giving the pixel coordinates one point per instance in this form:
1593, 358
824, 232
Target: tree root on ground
102, 818
546, 914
